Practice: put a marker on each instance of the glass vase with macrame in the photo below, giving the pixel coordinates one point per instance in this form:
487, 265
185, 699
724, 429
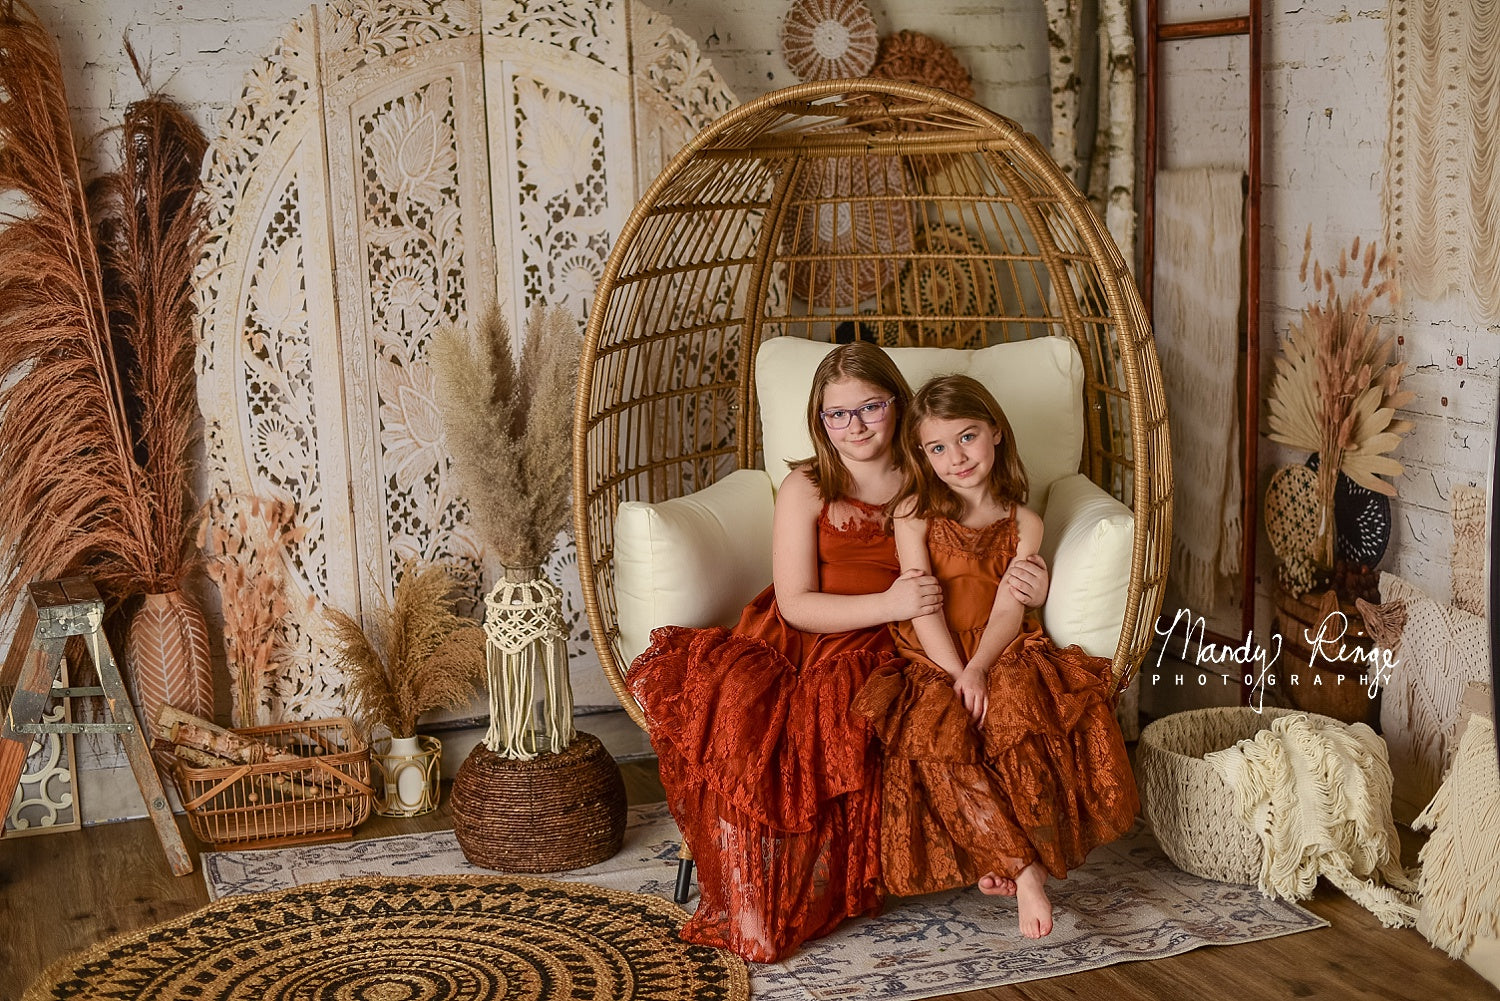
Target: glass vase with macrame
535, 795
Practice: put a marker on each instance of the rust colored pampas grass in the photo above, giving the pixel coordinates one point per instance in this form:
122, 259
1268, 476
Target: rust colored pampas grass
96, 346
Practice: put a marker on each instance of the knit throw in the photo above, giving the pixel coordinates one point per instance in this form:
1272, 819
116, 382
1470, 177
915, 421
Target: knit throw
1461, 861
1442, 163
1317, 793
1195, 315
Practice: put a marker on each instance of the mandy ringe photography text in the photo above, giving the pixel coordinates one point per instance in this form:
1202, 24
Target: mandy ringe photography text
1370, 668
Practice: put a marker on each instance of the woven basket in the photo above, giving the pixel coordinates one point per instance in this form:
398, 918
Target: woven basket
273, 803
552, 813
1190, 808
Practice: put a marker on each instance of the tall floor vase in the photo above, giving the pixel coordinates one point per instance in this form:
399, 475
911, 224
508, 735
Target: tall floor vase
166, 652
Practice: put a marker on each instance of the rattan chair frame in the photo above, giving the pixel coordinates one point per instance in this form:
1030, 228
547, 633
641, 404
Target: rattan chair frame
699, 275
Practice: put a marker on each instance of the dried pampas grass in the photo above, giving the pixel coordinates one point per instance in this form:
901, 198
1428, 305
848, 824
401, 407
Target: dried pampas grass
150, 226
417, 655
509, 426
89, 489
71, 502
1336, 389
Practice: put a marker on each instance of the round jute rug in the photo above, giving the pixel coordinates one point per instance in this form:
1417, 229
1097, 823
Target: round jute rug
425, 938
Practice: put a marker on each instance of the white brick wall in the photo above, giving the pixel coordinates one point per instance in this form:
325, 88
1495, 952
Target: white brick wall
1325, 111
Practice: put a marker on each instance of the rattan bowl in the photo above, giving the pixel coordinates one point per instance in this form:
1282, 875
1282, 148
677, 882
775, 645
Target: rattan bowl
1190, 808
550, 814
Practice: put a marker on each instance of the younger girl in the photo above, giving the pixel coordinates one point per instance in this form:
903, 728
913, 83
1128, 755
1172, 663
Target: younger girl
1002, 757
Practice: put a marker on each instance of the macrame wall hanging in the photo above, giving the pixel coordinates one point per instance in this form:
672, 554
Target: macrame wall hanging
389, 168
1442, 163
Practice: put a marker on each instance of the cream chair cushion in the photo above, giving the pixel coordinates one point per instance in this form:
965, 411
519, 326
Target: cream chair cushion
694, 560
1087, 540
1039, 383
697, 560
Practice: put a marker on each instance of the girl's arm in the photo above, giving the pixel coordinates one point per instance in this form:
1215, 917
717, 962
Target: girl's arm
794, 570
931, 627
1004, 623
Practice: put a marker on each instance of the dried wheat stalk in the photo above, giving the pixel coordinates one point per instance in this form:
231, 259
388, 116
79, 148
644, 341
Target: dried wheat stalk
247, 543
417, 655
509, 425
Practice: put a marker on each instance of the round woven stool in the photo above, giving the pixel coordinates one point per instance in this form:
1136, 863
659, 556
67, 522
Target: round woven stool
1190, 808
552, 813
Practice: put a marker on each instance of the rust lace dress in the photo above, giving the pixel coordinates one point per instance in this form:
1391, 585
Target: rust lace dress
773, 781
1044, 777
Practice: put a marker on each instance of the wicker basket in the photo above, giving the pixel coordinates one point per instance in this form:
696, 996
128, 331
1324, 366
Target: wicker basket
552, 813
280, 803
1190, 808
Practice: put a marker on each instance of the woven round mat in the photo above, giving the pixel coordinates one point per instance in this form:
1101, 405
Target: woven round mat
410, 939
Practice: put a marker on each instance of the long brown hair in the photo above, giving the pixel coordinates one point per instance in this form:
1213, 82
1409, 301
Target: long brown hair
955, 397
857, 360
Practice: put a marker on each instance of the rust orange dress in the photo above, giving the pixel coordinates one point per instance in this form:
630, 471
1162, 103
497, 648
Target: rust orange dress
772, 779
1044, 777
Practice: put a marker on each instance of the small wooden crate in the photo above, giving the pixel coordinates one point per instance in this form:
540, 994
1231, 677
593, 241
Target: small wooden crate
278, 802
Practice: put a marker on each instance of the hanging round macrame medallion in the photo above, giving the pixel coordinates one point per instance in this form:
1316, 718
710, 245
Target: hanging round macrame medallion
829, 39
955, 283
849, 221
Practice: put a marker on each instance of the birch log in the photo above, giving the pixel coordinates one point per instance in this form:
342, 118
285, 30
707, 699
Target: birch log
1063, 24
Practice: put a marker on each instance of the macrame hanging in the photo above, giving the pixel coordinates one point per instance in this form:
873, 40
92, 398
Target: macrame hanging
1442, 164
527, 650
917, 58
828, 39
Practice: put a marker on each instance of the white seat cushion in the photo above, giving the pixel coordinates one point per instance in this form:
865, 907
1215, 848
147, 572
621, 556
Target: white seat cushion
1039, 384
1087, 539
694, 560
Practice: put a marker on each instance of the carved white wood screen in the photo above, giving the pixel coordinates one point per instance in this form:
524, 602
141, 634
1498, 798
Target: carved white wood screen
390, 168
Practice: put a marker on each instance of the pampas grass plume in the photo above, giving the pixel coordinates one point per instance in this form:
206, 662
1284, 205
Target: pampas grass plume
508, 425
417, 654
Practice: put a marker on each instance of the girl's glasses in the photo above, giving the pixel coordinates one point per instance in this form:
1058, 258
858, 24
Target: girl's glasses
870, 413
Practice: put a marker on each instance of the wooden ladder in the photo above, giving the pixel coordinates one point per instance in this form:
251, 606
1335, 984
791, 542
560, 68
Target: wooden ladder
56, 611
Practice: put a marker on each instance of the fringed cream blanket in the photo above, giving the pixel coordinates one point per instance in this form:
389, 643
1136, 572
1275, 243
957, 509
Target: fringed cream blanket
1461, 861
1317, 792
1196, 310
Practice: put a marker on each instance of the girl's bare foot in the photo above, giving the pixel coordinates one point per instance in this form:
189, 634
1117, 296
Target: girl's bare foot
997, 886
1032, 902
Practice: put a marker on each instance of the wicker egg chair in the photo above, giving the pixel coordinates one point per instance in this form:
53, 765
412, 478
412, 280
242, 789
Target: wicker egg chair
902, 212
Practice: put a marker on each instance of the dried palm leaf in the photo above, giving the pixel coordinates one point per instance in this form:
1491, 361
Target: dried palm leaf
416, 655
509, 426
71, 501
1335, 391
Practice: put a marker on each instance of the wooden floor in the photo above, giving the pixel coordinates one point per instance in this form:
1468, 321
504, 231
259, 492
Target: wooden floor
63, 892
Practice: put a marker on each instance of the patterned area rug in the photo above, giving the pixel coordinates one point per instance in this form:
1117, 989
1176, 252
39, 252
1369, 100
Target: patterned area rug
409, 938
1127, 903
